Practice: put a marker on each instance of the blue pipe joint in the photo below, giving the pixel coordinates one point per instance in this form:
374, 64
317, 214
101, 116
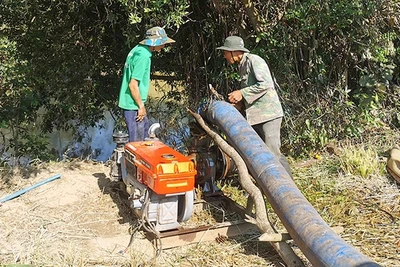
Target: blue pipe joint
319, 243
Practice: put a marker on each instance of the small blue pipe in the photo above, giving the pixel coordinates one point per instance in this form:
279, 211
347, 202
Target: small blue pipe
319, 243
23, 191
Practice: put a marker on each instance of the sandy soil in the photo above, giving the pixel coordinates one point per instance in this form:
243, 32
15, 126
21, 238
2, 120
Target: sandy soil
80, 219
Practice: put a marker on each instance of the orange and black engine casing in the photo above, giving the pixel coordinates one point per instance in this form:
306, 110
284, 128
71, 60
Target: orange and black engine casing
159, 167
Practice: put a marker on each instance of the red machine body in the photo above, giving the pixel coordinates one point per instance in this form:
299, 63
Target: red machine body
161, 168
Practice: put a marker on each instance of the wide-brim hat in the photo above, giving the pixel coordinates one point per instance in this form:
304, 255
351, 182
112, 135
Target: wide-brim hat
233, 43
156, 36
393, 164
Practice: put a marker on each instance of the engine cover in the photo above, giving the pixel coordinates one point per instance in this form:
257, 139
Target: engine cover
160, 182
161, 168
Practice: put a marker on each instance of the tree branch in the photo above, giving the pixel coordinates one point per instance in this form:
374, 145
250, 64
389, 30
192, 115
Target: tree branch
261, 220
252, 14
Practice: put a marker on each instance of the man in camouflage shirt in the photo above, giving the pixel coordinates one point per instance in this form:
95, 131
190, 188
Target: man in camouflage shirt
263, 108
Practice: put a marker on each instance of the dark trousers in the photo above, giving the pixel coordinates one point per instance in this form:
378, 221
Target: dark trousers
137, 130
270, 133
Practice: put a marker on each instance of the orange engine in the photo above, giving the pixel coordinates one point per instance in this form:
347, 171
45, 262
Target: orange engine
160, 167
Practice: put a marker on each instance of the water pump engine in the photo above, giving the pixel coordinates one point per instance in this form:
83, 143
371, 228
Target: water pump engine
160, 182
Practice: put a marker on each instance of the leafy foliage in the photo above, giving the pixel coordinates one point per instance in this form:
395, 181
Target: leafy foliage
70, 50
337, 63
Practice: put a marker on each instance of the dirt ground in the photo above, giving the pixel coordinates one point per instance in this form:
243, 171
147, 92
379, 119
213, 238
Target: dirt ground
73, 219
81, 220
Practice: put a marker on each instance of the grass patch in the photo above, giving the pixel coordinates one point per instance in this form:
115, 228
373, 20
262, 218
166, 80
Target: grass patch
351, 189
232, 189
361, 161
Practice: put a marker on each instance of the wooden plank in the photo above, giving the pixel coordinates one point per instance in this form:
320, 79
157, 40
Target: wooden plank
178, 238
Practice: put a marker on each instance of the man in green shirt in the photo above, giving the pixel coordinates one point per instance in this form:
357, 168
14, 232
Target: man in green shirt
136, 82
263, 108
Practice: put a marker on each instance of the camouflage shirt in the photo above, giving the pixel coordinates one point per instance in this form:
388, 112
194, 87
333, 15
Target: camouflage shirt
258, 90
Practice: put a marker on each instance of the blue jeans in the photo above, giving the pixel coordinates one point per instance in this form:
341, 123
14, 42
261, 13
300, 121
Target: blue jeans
137, 130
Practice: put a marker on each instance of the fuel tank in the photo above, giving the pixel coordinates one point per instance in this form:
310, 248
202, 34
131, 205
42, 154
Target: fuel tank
159, 167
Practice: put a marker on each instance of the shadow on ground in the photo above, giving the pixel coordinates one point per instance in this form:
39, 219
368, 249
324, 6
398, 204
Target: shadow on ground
261, 249
119, 197
249, 243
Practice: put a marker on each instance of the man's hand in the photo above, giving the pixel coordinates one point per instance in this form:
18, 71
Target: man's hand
141, 113
235, 96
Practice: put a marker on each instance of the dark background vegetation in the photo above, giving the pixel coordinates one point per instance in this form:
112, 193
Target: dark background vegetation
337, 63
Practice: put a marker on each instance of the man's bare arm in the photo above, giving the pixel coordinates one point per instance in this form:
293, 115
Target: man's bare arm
134, 88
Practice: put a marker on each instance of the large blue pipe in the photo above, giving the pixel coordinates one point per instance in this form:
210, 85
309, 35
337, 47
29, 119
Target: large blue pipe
319, 243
